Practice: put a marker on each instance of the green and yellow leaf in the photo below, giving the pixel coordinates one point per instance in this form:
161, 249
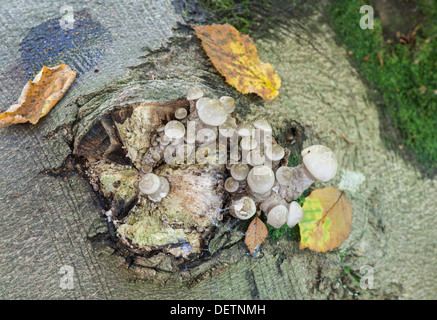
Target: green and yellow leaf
327, 220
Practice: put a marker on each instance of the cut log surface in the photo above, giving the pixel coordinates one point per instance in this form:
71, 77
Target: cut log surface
50, 217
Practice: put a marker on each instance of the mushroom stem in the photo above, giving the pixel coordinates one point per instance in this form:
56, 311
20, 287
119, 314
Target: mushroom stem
301, 181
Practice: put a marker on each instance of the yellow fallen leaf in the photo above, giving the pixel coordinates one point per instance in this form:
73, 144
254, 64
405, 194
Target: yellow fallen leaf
255, 235
236, 57
39, 96
327, 220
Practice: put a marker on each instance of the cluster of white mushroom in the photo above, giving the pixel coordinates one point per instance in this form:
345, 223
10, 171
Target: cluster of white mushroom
257, 165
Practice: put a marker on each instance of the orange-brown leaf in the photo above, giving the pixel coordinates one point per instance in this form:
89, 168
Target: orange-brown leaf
236, 57
39, 96
255, 235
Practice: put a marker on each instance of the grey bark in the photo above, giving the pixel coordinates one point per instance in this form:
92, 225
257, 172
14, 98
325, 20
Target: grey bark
48, 211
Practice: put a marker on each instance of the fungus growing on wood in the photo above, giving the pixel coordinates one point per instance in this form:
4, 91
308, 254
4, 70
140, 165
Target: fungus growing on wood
319, 163
206, 160
277, 216
212, 113
261, 179
239, 171
229, 103
243, 208
231, 185
174, 129
295, 214
149, 183
181, 113
194, 93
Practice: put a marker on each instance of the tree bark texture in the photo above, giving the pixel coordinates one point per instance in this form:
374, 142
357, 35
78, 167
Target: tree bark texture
50, 216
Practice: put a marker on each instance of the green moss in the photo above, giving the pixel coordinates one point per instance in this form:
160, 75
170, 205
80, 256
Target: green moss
119, 183
237, 13
405, 74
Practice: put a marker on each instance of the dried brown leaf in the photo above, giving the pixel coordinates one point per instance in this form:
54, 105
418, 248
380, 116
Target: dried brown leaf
39, 96
255, 235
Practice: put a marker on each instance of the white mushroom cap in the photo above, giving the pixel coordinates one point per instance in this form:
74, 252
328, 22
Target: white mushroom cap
248, 143
277, 217
320, 161
275, 152
194, 93
245, 129
231, 185
239, 171
213, 113
201, 102
243, 208
263, 125
261, 179
164, 140
181, 113
149, 183
174, 129
229, 103
295, 214
156, 156
162, 192
284, 175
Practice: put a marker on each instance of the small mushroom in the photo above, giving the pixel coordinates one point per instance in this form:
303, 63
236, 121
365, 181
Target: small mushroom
284, 175
164, 140
239, 171
248, 143
243, 208
261, 179
181, 113
295, 214
229, 103
212, 113
277, 216
174, 130
255, 158
319, 163
231, 185
194, 93
201, 102
272, 201
263, 125
245, 129
162, 192
149, 183
275, 152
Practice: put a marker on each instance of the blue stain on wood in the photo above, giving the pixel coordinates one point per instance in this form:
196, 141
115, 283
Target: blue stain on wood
48, 44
